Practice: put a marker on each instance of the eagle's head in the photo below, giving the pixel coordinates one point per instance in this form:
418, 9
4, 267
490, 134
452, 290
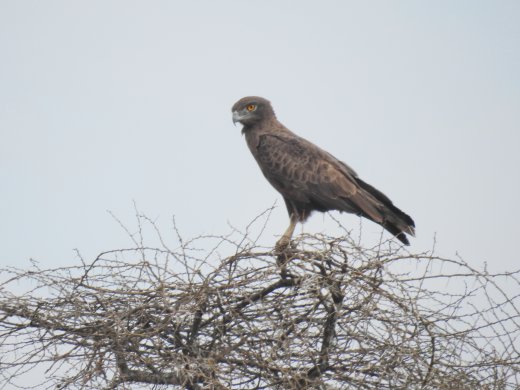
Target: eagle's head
251, 110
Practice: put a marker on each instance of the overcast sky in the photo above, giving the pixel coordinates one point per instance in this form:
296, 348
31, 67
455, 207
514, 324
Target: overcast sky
103, 103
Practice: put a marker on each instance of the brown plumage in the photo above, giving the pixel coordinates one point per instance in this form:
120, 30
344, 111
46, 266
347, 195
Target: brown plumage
308, 177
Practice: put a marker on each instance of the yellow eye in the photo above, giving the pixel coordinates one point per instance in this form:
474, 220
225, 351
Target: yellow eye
251, 107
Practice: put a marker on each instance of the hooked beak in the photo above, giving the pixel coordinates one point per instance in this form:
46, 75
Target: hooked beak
237, 117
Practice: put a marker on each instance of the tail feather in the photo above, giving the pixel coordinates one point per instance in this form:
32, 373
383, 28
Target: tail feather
394, 220
397, 232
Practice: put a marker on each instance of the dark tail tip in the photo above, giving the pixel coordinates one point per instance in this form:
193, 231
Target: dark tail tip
402, 237
398, 233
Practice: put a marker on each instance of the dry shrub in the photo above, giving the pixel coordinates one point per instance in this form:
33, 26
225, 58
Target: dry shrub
327, 314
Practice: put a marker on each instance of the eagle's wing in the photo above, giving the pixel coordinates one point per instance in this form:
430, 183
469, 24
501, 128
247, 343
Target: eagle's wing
304, 173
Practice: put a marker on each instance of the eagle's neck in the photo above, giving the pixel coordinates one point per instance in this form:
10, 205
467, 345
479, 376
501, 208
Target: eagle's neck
270, 125
253, 133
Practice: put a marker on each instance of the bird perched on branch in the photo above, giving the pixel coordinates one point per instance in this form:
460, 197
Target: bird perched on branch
309, 178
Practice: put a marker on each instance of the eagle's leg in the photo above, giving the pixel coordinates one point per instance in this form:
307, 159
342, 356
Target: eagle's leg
285, 240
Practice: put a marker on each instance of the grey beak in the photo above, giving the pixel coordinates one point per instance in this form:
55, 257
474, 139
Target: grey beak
236, 117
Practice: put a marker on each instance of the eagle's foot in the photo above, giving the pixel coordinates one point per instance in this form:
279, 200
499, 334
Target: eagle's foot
282, 250
282, 244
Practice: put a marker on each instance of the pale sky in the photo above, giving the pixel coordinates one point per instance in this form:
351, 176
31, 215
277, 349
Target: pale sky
107, 103
103, 103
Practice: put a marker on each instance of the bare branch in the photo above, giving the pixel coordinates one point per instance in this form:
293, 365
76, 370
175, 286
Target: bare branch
330, 315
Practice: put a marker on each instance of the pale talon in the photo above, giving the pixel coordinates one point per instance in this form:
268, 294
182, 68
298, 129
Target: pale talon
282, 244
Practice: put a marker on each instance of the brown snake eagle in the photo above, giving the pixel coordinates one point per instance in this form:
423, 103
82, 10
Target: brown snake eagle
308, 177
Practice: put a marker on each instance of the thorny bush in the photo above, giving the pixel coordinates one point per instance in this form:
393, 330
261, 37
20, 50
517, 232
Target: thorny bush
327, 314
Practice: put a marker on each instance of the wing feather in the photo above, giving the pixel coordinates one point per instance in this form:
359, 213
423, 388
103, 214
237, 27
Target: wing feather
302, 171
